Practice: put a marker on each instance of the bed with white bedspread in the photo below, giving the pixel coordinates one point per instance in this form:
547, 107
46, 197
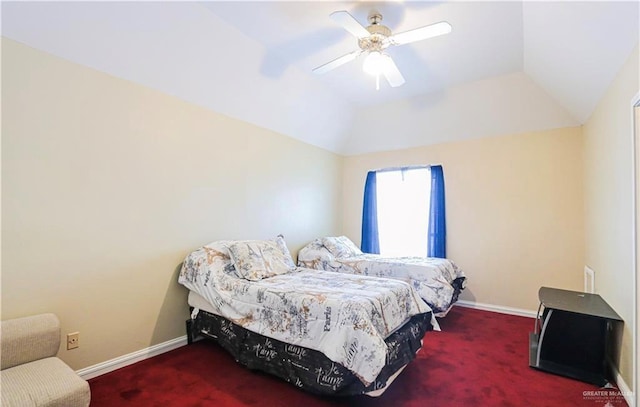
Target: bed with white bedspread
437, 281
255, 286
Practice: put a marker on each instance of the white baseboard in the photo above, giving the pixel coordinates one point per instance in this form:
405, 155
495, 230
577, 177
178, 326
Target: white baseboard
131, 358
624, 389
497, 308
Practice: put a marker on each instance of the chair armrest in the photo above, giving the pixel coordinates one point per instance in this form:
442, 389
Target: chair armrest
27, 339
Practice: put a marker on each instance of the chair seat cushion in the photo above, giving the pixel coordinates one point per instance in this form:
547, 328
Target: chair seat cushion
44, 382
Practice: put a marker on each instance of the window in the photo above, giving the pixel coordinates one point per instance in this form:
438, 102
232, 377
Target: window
403, 211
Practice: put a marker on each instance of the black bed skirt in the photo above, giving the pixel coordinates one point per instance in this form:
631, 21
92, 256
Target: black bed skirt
458, 286
306, 368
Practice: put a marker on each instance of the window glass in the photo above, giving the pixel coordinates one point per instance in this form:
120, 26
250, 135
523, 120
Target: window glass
403, 211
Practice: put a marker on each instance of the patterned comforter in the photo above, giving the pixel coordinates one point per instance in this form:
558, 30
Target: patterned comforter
437, 281
347, 317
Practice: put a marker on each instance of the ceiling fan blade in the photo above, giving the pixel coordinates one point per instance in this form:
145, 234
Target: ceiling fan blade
350, 24
337, 62
392, 73
422, 33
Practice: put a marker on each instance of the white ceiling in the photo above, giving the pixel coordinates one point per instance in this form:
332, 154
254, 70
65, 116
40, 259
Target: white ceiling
507, 67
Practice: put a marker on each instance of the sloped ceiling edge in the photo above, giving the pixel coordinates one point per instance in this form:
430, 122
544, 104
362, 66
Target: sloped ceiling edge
508, 104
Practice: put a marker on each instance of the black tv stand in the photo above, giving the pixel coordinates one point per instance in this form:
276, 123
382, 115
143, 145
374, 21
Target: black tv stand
572, 335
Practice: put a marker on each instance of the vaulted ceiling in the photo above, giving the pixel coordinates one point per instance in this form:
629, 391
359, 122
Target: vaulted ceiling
507, 67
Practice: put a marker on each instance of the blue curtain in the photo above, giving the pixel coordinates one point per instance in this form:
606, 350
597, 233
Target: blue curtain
437, 239
370, 242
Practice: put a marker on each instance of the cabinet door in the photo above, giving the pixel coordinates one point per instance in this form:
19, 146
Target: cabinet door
574, 340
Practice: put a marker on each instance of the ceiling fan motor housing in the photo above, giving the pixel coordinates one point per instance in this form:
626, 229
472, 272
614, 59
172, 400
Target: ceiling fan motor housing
376, 41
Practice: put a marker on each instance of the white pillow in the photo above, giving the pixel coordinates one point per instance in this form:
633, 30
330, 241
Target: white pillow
314, 251
212, 258
218, 258
285, 250
341, 246
258, 259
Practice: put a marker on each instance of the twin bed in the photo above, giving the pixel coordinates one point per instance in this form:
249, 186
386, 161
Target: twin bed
437, 281
324, 332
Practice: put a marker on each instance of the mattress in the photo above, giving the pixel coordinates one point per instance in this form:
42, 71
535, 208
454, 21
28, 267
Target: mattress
197, 303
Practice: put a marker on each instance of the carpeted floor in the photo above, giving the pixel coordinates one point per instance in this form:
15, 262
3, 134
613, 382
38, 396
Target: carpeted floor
479, 359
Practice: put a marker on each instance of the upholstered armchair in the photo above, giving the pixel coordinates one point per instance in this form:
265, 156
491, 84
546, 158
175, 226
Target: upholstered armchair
31, 374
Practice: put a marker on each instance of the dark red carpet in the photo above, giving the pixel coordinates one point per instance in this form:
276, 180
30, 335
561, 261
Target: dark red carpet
479, 359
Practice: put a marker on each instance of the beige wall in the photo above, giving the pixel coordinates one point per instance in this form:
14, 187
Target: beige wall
514, 210
107, 185
609, 208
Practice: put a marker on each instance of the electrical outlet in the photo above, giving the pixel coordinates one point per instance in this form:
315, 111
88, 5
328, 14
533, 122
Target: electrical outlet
73, 340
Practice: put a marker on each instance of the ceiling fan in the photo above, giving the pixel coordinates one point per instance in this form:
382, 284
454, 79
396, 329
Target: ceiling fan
373, 40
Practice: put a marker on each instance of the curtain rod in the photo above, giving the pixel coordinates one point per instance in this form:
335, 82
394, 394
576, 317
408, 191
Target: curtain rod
405, 168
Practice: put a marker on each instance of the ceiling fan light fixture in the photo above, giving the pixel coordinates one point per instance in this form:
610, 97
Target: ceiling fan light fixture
373, 40
376, 63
